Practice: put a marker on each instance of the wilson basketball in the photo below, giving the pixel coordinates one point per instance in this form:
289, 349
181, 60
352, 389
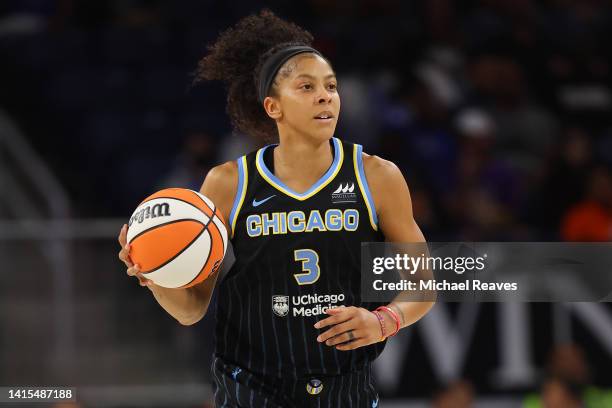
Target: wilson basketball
178, 237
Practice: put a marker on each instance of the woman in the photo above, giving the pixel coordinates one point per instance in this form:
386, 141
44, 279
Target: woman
291, 328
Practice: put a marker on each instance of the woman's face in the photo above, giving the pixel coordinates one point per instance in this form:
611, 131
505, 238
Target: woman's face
306, 98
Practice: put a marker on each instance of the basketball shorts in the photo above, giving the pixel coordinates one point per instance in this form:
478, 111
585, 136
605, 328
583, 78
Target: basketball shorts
235, 386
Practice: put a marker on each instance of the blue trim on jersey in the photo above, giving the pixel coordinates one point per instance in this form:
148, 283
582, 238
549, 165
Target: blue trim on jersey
238, 200
363, 184
322, 182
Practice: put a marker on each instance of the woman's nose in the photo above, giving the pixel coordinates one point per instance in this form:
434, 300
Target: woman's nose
324, 96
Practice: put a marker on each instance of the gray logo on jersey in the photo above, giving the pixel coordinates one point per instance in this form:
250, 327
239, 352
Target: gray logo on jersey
344, 194
314, 386
280, 305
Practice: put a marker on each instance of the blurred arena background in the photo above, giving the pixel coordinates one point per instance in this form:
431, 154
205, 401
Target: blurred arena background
497, 111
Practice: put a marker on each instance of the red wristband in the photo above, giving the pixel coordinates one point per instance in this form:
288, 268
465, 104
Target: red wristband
381, 320
394, 316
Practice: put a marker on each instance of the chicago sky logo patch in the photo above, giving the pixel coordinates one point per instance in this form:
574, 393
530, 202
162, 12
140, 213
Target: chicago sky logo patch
344, 194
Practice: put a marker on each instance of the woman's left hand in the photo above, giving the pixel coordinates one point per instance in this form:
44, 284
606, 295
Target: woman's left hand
352, 327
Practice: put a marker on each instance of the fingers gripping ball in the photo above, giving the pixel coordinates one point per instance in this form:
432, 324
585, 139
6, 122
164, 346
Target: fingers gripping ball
177, 237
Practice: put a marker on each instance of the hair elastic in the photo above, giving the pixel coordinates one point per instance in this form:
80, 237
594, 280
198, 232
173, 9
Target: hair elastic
271, 66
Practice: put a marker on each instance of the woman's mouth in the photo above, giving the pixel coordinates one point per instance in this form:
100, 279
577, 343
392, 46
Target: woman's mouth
325, 116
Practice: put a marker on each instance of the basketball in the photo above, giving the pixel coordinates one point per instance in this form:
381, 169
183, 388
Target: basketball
177, 237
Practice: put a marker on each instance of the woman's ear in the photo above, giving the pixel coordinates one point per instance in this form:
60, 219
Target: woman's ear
272, 107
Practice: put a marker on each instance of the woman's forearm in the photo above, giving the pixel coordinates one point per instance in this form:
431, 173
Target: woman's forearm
183, 304
410, 312
187, 305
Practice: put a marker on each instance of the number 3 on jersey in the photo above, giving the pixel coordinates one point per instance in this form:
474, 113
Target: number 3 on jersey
310, 266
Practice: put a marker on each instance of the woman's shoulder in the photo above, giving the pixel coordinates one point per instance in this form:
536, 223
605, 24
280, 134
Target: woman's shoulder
384, 178
221, 184
378, 168
223, 171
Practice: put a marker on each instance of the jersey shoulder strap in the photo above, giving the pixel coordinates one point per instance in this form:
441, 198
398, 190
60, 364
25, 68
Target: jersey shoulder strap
245, 175
353, 167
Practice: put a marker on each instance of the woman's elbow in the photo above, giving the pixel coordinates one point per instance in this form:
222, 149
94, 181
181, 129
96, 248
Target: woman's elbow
192, 319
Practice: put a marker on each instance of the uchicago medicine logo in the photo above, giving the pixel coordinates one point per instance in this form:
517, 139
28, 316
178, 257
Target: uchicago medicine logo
305, 305
280, 305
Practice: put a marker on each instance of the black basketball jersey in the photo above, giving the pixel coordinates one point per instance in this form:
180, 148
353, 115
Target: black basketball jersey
296, 256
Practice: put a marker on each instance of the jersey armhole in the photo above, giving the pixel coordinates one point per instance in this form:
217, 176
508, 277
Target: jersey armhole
243, 178
363, 185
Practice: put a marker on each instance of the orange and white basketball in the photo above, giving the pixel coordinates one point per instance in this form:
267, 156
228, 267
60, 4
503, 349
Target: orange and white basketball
177, 237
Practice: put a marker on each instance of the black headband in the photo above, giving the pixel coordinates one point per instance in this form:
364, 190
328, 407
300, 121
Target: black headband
272, 65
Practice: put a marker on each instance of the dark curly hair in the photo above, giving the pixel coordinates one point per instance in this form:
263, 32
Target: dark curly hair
236, 58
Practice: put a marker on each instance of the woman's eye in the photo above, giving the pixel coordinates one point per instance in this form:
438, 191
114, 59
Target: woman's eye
310, 87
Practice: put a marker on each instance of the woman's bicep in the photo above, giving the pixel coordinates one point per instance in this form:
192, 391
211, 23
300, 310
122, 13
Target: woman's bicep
220, 186
392, 200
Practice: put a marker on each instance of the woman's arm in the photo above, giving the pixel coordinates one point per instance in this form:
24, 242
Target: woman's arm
189, 305
353, 327
220, 186
396, 221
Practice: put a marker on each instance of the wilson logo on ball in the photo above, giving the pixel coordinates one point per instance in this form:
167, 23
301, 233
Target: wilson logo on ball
152, 211
178, 248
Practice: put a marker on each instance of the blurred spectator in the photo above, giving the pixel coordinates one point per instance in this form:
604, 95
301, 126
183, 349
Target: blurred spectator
459, 394
358, 121
568, 361
557, 393
235, 144
567, 383
426, 214
525, 130
97, 68
480, 217
486, 189
423, 144
591, 218
197, 158
561, 181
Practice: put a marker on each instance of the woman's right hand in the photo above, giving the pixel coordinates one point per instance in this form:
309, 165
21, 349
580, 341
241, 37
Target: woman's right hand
124, 255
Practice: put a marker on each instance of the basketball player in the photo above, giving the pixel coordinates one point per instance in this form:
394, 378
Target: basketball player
291, 329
